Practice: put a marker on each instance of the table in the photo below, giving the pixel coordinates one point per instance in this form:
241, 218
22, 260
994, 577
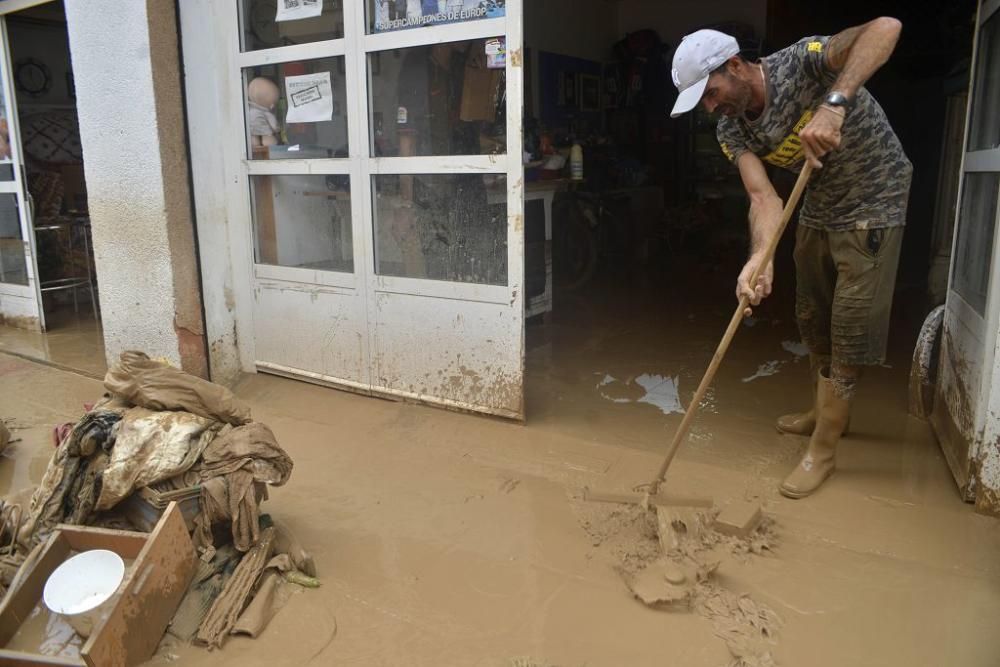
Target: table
71, 225
544, 191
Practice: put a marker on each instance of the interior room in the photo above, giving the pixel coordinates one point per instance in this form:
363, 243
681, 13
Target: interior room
42, 78
646, 248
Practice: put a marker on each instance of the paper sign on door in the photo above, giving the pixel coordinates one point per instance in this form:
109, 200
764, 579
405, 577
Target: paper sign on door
293, 10
310, 98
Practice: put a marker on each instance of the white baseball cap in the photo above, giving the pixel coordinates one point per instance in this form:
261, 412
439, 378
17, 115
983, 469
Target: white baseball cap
698, 54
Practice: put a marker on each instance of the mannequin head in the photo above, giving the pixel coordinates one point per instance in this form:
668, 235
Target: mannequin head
263, 91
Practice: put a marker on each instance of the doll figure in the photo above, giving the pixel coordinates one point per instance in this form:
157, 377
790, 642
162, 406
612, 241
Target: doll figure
262, 95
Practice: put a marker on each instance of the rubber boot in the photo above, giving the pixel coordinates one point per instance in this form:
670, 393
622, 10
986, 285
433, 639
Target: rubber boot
798, 423
818, 462
803, 423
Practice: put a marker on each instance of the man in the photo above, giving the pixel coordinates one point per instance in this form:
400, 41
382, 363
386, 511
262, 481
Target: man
808, 102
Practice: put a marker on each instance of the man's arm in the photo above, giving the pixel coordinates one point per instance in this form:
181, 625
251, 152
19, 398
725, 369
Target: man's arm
858, 52
855, 54
765, 218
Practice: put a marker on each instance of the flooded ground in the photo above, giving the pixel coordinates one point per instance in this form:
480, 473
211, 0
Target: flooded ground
73, 341
447, 539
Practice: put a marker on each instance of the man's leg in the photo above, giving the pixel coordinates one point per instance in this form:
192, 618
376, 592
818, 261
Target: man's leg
866, 276
815, 282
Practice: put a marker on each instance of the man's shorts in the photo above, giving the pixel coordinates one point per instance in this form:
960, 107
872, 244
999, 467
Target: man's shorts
843, 294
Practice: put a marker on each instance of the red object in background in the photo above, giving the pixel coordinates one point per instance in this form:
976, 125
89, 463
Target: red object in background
60, 432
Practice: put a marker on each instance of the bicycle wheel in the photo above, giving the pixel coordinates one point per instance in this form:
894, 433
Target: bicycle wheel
574, 252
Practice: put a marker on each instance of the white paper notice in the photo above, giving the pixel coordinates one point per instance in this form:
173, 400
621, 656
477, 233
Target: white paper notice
293, 10
310, 98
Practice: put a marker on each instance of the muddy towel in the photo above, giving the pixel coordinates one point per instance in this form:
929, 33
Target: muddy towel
68, 491
230, 467
154, 386
150, 447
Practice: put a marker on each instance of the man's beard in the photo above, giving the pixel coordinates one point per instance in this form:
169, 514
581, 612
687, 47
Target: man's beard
740, 102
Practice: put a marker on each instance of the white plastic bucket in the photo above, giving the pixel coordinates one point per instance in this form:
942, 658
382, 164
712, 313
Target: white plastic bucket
81, 589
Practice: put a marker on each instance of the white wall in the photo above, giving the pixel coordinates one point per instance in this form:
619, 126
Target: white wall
129, 103
675, 18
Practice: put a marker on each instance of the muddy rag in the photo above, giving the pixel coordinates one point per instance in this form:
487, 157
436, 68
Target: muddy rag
69, 489
155, 386
153, 446
231, 467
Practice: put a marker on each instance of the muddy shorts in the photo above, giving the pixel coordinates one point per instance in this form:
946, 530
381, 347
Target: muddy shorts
843, 294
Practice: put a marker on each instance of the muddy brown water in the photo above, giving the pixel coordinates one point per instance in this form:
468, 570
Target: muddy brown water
446, 539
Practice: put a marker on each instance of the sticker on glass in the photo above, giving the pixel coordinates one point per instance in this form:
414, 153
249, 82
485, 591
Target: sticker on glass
310, 98
496, 53
294, 10
399, 14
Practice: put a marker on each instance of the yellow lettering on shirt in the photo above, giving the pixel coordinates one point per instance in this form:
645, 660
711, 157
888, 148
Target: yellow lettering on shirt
789, 150
725, 151
815, 47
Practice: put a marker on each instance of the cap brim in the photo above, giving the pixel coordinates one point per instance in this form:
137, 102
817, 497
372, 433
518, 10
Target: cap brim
689, 98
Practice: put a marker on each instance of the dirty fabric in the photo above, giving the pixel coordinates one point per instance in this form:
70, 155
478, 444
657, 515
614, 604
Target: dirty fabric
843, 292
155, 386
233, 466
150, 447
69, 490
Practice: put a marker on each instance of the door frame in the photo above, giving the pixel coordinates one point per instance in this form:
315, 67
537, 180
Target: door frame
33, 317
961, 414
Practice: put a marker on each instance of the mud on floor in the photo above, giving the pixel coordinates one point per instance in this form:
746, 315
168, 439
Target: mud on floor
628, 539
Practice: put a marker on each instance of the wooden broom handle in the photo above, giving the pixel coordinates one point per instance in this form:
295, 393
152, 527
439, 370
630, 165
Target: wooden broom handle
734, 323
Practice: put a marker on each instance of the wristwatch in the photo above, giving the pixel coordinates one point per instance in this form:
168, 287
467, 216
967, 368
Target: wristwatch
837, 99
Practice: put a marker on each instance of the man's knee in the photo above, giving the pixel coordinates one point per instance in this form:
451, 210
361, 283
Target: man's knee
844, 378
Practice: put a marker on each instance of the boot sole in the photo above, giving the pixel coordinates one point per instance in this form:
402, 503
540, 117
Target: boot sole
798, 495
847, 431
790, 432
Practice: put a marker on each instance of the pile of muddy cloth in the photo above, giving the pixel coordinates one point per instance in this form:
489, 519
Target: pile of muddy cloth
159, 430
160, 425
71, 485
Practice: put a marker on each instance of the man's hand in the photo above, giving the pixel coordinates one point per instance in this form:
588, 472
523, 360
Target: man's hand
761, 290
821, 135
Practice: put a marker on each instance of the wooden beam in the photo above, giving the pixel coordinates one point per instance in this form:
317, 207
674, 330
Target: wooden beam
19, 659
149, 596
125, 543
739, 518
20, 601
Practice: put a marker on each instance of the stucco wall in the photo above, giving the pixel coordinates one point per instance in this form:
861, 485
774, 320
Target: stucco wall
126, 65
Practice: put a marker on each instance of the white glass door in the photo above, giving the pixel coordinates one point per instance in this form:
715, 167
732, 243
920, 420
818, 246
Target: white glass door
20, 299
442, 179
383, 180
972, 310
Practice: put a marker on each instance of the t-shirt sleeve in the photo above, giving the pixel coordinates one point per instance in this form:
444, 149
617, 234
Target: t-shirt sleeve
812, 53
730, 140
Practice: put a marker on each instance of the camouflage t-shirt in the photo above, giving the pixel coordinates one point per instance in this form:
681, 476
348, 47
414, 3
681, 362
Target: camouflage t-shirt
862, 185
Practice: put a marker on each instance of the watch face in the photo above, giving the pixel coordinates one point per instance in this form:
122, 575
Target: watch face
836, 99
